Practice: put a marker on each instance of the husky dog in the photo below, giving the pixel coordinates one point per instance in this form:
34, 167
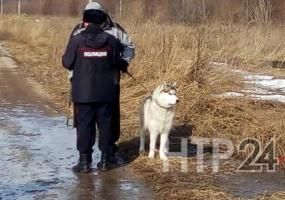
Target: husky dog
156, 116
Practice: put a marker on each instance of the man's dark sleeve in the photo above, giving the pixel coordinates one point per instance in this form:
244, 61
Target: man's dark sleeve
69, 56
123, 65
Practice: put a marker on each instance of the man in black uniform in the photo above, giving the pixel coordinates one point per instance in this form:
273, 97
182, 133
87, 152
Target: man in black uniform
127, 52
95, 58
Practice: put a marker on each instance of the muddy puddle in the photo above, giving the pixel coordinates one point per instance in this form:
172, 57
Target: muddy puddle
252, 185
37, 153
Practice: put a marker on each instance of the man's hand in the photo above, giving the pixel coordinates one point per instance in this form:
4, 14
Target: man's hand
123, 66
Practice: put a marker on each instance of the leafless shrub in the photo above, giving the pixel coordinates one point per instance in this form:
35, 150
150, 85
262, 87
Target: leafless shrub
258, 11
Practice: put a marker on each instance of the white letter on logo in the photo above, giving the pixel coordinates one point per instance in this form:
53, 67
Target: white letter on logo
200, 151
220, 156
182, 155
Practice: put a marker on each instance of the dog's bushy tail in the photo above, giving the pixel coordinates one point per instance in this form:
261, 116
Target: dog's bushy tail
142, 130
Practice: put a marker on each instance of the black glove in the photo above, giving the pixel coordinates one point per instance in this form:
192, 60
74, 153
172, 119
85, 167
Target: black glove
123, 65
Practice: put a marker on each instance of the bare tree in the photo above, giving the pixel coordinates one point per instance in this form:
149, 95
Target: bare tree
1, 7
19, 7
41, 5
121, 8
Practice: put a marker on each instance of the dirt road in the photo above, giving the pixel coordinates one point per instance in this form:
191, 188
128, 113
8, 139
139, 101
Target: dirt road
38, 151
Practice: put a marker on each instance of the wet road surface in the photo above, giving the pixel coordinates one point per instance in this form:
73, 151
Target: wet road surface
252, 185
38, 150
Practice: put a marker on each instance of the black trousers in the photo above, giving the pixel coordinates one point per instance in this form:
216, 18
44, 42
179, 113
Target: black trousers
88, 116
116, 127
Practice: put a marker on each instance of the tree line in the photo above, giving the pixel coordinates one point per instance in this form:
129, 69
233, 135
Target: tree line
186, 11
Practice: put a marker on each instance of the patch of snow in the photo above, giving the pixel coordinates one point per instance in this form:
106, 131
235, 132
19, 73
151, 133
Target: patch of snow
218, 64
273, 84
258, 77
276, 98
257, 86
231, 94
256, 90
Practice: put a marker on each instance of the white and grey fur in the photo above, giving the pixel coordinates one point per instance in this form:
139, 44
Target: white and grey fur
156, 117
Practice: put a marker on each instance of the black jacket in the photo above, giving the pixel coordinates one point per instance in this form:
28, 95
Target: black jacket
92, 55
127, 46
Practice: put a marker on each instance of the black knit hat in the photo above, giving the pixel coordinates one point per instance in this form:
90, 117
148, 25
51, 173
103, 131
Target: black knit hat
94, 16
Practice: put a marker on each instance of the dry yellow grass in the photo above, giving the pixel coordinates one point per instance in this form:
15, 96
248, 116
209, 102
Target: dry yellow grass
168, 52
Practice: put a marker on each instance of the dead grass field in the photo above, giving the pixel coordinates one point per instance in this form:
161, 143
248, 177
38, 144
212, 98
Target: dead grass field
170, 52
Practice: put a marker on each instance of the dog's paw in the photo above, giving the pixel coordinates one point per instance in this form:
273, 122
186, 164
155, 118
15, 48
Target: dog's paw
142, 153
163, 157
151, 155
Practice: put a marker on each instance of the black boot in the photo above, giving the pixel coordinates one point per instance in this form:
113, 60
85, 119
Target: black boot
84, 165
89, 159
112, 158
104, 164
115, 149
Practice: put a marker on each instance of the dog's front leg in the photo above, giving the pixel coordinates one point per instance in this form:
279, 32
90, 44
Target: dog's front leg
153, 138
166, 148
163, 148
